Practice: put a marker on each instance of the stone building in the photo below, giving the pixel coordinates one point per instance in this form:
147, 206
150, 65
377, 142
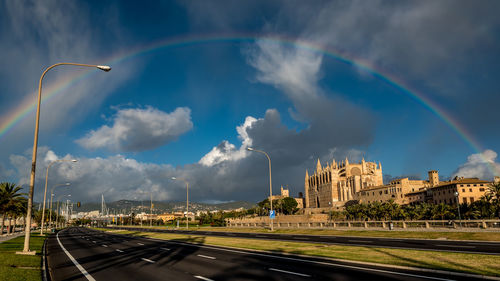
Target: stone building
398, 190
469, 190
336, 184
286, 193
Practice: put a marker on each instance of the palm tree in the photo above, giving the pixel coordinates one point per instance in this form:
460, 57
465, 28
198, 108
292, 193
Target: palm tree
494, 193
17, 209
9, 193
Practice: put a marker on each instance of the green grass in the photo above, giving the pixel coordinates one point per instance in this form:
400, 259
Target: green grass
20, 267
481, 236
458, 262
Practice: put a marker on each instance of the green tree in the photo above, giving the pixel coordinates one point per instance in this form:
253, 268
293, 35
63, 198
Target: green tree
9, 196
494, 193
288, 206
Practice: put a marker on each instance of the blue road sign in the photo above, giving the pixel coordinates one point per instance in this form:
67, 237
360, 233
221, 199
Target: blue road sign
272, 214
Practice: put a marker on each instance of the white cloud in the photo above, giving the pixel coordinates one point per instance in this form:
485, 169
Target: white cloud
139, 129
226, 151
481, 165
295, 71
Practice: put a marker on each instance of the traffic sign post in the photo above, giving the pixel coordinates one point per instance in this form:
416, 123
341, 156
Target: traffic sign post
272, 214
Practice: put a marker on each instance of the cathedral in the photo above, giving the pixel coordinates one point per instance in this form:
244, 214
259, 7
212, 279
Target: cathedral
339, 182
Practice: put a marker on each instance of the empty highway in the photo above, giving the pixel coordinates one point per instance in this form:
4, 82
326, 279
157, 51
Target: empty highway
476, 247
84, 254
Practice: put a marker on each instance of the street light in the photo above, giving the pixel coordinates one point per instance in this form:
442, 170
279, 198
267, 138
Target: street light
45, 192
270, 183
51, 196
27, 233
458, 208
187, 199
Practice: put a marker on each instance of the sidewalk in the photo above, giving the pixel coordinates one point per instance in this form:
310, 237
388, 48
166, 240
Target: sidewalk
6, 237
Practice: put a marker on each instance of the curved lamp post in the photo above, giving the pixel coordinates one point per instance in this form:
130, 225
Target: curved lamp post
45, 192
51, 196
270, 183
187, 199
27, 233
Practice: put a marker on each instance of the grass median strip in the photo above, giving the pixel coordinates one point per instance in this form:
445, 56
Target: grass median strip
451, 235
20, 267
458, 262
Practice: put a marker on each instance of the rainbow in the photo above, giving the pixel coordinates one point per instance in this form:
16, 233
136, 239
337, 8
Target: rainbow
28, 105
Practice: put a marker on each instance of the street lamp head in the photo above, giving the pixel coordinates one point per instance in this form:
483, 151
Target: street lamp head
456, 193
249, 149
174, 178
104, 67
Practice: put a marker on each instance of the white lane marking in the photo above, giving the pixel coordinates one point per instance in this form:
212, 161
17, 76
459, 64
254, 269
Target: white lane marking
94, 242
455, 246
360, 241
203, 278
290, 272
207, 257
105, 246
316, 262
82, 270
148, 260
118, 250
165, 249
140, 244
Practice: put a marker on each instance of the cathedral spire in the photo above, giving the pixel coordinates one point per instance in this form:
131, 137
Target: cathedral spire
307, 174
379, 165
318, 166
346, 161
334, 164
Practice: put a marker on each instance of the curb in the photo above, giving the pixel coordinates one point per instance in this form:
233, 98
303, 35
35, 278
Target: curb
45, 266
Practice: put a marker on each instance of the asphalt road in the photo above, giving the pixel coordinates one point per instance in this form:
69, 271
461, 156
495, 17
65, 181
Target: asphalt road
476, 247
84, 254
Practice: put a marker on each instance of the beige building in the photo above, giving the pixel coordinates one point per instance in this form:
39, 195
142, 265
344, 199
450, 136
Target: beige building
398, 190
469, 190
336, 184
166, 217
286, 193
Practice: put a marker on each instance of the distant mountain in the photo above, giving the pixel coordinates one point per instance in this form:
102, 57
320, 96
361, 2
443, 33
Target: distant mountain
125, 206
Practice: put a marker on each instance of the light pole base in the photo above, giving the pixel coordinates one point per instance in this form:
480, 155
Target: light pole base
28, 253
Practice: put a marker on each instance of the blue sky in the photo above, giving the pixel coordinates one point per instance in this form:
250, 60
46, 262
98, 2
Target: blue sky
191, 110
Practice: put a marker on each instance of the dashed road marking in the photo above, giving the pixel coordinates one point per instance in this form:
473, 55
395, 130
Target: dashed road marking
165, 249
203, 278
148, 260
118, 250
140, 244
290, 272
207, 257
105, 246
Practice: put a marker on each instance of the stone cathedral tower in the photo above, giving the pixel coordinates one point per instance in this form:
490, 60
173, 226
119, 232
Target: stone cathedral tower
338, 182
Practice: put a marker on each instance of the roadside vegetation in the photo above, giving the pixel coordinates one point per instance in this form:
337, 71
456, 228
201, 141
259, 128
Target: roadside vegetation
458, 262
21, 267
